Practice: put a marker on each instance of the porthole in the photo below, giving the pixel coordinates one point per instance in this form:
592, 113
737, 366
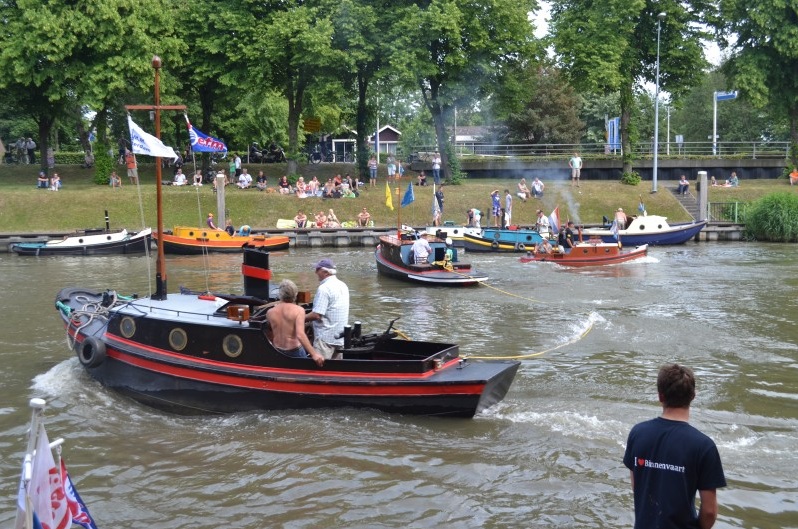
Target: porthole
642, 227
191, 234
107, 237
127, 327
80, 241
232, 345
178, 339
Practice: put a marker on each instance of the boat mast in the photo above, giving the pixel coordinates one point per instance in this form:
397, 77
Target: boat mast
160, 262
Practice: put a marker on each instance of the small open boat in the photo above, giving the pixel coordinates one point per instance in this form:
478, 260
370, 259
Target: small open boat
90, 242
394, 256
649, 229
185, 240
589, 253
515, 239
192, 353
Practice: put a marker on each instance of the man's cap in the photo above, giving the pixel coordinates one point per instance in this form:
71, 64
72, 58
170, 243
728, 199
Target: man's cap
324, 263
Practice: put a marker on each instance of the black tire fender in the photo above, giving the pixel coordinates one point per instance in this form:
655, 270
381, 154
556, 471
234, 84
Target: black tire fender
521, 247
91, 352
494, 245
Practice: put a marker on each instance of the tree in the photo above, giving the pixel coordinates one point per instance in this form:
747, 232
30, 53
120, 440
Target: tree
763, 57
612, 47
454, 51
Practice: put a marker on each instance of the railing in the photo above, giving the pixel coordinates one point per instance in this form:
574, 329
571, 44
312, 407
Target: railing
705, 149
727, 212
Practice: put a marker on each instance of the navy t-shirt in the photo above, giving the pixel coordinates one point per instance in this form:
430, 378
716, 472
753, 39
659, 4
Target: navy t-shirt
670, 462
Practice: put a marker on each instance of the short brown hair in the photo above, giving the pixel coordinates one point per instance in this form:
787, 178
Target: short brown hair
676, 386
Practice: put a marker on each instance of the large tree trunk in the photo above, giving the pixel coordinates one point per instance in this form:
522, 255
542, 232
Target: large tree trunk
362, 127
295, 98
45, 126
442, 139
626, 101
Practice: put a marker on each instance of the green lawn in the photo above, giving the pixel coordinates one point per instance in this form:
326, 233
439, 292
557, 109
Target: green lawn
81, 203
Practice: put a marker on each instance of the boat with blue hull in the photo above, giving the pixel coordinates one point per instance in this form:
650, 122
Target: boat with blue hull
90, 242
515, 239
653, 230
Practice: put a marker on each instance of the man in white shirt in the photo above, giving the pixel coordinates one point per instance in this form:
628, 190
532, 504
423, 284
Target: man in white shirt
542, 224
421, 249
245, 179
330, 310
180, 178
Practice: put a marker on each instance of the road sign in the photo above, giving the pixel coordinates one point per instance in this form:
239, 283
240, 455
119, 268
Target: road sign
725, 96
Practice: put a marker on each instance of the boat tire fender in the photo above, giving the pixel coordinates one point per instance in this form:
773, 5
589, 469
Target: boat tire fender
521, 247
494, 245
91, 352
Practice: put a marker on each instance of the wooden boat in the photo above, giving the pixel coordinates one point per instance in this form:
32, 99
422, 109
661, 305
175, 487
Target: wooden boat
212, 353
192, 353
394, 256
455, 233
90, 242
185, 240
589, 253
651, 230
515, 239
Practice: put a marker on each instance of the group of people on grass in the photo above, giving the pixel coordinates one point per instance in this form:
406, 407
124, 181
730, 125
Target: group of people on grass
329, 219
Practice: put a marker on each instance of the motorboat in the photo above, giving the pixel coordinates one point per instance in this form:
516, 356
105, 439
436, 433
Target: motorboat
89, 242
202, 353
589, 253
510, 239
186, 240
394, 256
648, 229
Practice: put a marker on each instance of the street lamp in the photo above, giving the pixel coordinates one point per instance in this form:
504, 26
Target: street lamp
660, 18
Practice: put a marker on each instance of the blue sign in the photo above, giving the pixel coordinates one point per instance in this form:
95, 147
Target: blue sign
725, 96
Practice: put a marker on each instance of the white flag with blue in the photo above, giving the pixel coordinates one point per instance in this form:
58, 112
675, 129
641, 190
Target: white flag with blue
143, 143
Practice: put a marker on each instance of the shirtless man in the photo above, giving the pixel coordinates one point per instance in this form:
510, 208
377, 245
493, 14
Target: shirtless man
287, 320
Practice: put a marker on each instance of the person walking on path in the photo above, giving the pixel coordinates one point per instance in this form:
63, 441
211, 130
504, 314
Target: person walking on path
669, 461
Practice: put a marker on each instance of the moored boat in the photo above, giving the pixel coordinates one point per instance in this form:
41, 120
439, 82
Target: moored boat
186, 240
394, 257
589, 253
89, 242
649, 229
514, 239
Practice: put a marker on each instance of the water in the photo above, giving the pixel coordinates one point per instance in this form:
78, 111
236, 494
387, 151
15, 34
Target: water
591, 341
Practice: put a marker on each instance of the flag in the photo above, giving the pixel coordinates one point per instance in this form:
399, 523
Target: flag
143, 143
554, 221
408, 198
436, 208
201, 142
46, 490
80, 514
388, 197
614, 229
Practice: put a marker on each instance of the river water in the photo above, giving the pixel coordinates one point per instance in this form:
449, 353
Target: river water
548, 456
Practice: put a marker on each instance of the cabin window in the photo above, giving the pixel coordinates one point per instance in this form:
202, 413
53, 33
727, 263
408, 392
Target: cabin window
232, 345
178, 339
127, 327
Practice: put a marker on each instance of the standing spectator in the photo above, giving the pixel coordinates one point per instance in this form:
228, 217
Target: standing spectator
390, 164
330, 310
22, 153
495, 207
436, 168
122, 144
439, 197
373, 171
132, 167
508, 207
567, 236
669, 460
232, 176
237, 161
575, 163
287, 321
542, 224
400, 170
620, 219
30, 146
537, 188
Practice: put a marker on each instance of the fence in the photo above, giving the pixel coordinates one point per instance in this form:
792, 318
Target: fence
729, 149
734, 212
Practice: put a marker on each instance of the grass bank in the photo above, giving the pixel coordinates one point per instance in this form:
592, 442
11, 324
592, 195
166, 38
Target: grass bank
81, 203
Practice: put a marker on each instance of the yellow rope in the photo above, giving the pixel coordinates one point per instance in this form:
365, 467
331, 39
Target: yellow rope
484, 284
531, 355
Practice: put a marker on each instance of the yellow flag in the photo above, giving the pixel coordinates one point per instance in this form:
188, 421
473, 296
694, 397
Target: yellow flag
388, 199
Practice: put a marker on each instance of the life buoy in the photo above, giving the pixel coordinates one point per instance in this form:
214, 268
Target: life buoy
91, 352
494, 245
521, 247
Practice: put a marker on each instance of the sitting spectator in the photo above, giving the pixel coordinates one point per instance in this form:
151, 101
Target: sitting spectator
332, 220
684, 186
713, 182
197, 178
114, 180
421, 249
732, 181
180, 178
42, 182
210, 223
329, 189
55, 182
537, 188
301, 188
523, 191
794, 176
244, 231
543, 247
228, 227
313, 188
422, 179
245, 179
261, 181
363, 218
285, 186
301, 219
321, 220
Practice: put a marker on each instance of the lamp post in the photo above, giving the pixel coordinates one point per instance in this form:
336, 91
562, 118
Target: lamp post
660, 17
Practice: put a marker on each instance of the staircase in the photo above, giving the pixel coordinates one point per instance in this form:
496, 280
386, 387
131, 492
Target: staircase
688, 201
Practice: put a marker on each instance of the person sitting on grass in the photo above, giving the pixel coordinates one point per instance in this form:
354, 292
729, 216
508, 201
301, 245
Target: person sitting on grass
363, 218
285, 186
42, 182
114, 180
301, 219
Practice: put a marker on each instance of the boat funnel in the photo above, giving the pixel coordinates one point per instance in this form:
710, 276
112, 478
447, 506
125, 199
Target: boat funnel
256, 271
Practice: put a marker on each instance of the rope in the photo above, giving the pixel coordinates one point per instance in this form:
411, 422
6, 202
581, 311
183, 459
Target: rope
539, 353
485, 284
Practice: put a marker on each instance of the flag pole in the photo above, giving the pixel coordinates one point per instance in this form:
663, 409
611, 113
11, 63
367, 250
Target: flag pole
37, 409
398, 215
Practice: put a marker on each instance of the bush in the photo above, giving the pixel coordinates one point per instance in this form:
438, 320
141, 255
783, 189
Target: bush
103, 165
774, 218
69, 158
631, 179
